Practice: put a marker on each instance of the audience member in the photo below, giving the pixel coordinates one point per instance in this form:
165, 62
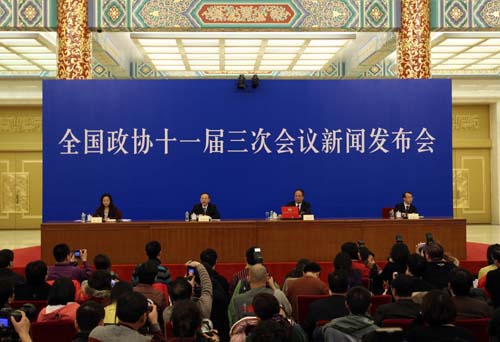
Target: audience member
308, 284
376, 280
493, 281
97, 288
294, 274
186, 324
439, 313
403, 307
467, 307
133, 311
220, 295
153, 251
397, 262
269, 331
66, 264
6, 293
6, 266
103, 262
22, 327
437, 269
492, 249
61, 302
494, 326
260, 282
352, 250
415, 270
88, 316
146, 275
329, 308
183, 289
357, 323
343, 262
250, 257
36, 287
121, 288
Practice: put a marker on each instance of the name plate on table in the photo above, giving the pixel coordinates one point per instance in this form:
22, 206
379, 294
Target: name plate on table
204, 218
96, 220
308, 217
413, 216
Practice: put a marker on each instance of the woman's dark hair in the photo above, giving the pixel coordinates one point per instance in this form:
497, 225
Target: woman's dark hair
492, 249
297, 272
111, 204
400, 253
265, 306
343, 261
102, 262
416, 265
36, 272
438, 308
365, 253
62, 292
269, 331
100, 280
121, 288
186, 318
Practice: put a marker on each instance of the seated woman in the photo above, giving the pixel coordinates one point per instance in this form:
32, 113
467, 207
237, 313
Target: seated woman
97, 288
107, 210
61, 302
121, 288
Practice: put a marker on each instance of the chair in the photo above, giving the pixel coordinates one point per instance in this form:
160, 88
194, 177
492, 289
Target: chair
46, 331
378, 301
169, 330
163, 289
402, 323
303, 303
478, 326
39, 305
386, 213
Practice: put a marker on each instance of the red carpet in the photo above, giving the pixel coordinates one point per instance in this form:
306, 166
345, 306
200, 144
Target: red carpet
475, 252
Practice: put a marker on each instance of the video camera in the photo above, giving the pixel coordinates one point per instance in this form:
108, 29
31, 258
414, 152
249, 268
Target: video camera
7, 331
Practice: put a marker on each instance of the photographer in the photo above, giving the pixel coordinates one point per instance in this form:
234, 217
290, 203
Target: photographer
22, 327
187, 324
67, 264
183, 289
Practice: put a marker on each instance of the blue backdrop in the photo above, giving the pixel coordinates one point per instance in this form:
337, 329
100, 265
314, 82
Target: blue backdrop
353, 146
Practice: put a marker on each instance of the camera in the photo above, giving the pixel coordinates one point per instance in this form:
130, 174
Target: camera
257, 256
429, 239
7, 331
399, 239
77, 253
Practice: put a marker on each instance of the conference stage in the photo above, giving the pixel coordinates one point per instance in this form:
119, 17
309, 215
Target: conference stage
283, 240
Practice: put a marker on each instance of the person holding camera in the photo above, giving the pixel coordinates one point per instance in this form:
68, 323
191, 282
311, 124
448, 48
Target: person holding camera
67, 264
188, 326
22, 327
133, 312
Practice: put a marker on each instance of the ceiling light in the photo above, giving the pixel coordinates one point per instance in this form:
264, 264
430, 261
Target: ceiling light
282, 49
455, 49
460, 41
161, 49
448, 67
204, 62
327, 42
31, 49
206, 67
311, 62
316, 56
441, 55
472, 55
242, 49
484, 49
279, 56
240, 62
242, 42
276, 62
167, 62
170, 67
203, 56
23, 67
158, 42
40, 56
45, 62
483, 66
321, 49
200, 42
240, 56
15, 62
164, 56
197, 49
285, 42
20, 42
494, 42
274, 67
306, 68
8, 56
245, 68
460, 61
489, 61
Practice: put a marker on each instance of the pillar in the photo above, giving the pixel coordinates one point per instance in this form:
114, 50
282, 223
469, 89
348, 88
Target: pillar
74, 40
414, 38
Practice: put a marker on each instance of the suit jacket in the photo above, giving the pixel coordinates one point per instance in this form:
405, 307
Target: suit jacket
211, 210
402, 209
305, 207
404, 308
114, 213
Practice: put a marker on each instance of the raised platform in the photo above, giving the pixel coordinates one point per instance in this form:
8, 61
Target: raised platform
280, 240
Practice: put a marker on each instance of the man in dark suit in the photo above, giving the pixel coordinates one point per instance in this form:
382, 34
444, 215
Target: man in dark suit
304, 207
406, 207
205, 207
329, 308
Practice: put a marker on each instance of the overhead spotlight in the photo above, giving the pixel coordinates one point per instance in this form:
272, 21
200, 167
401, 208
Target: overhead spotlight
255, 81
241, 82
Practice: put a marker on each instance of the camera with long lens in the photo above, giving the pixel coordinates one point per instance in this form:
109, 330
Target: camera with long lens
7, 331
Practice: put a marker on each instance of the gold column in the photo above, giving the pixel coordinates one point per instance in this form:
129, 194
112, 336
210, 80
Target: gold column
414, 37
74, 41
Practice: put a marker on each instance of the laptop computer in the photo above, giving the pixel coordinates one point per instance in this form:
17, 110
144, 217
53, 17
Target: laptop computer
290, 212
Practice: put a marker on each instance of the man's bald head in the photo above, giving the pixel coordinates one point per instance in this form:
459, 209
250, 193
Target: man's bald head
257, 274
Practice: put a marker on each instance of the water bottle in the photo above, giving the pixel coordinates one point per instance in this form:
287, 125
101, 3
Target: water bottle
186, 216
83, 217
391, 214
267, 215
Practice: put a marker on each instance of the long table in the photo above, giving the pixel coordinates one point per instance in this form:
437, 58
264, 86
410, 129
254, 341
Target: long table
280, 240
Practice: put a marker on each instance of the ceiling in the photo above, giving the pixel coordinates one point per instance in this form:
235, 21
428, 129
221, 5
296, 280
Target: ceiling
273, 54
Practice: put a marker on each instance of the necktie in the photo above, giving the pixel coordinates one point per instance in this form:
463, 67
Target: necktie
204, 210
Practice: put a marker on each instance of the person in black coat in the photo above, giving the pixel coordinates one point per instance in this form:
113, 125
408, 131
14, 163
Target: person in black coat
205, 207
304, 207
406, 207
107, 209
36, 287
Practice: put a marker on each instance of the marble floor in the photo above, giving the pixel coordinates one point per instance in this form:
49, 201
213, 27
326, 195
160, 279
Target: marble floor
14, 239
